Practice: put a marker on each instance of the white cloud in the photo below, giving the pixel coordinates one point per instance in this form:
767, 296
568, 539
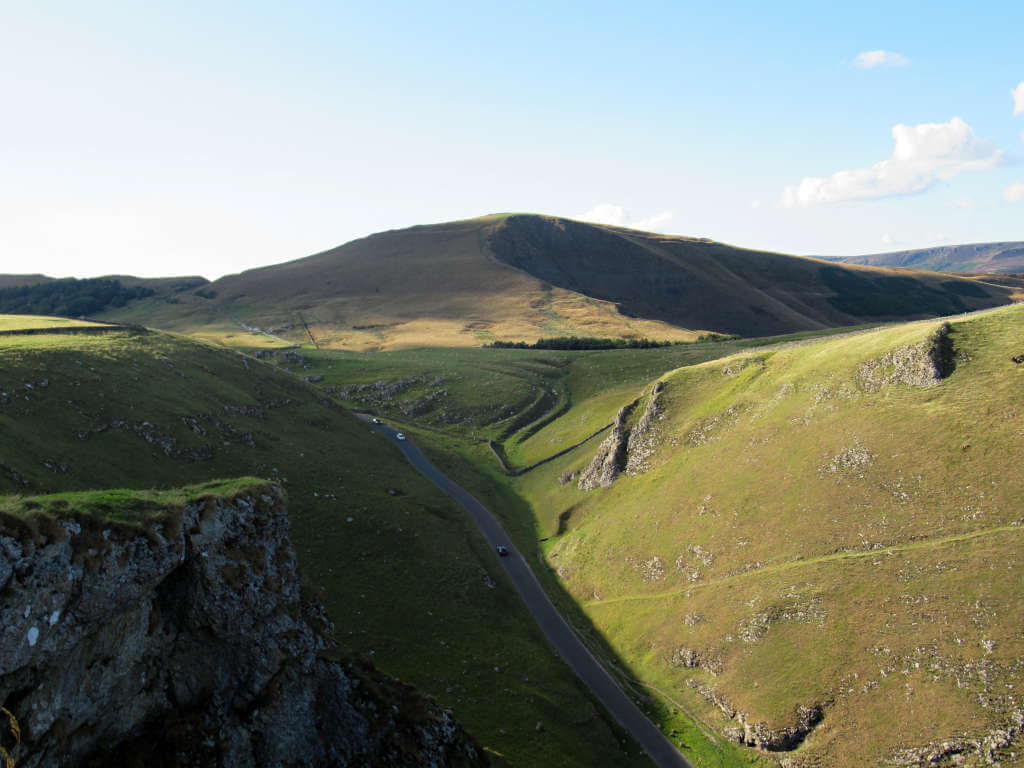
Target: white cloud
887, 239
872, 59
923, 154
1014, 193
653, 223
606, 213
617, 216
755, 204
967, 203
1018, 100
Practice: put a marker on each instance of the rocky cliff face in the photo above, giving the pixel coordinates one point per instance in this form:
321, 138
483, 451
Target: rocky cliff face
611, 455
184, 641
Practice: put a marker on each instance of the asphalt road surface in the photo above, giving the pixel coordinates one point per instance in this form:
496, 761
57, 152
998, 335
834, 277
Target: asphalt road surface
662, 751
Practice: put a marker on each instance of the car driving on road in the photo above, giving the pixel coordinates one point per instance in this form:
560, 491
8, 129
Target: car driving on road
400, 436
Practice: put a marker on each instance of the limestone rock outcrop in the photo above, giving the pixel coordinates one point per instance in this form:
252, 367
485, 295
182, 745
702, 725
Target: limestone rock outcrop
924, 364
627, 448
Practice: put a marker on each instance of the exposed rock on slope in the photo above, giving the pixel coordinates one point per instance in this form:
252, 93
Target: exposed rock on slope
185, 642
919, 365
759, 734
642, 438
626, 448
611, 454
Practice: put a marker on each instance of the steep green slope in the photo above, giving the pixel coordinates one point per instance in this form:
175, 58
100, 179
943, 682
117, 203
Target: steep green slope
521, 277
401, 571
977, 257
816, 548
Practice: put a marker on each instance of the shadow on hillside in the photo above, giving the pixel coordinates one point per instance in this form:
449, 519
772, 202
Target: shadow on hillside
517, 517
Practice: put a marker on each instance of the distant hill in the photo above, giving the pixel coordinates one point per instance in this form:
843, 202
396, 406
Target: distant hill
518, 277
73, 297
977, 257
12, 281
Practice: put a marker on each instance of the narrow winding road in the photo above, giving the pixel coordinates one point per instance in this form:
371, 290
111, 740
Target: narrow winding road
662, 751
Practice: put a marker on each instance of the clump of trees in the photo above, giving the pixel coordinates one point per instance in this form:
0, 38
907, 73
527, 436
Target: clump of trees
581, 342
69, 297
592, 342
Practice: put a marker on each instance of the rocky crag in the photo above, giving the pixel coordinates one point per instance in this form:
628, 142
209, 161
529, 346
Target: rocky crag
181, 639
627, 448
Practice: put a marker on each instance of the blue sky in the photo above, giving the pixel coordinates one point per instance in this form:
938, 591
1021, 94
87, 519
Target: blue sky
208, 138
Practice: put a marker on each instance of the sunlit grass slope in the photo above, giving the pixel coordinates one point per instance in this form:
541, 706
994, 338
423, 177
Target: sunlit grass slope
16, 323
402, 572
817, 537
522, 277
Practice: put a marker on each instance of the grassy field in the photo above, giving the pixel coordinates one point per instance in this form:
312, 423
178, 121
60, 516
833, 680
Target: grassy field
402, 572
130, 505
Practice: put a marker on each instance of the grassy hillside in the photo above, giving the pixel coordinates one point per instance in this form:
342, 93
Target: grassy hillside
977, 257
522, 277
402, 572
703, 284
424, 286
519, 399
822, 539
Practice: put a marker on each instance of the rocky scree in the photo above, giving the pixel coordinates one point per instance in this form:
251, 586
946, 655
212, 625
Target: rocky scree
185, 642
